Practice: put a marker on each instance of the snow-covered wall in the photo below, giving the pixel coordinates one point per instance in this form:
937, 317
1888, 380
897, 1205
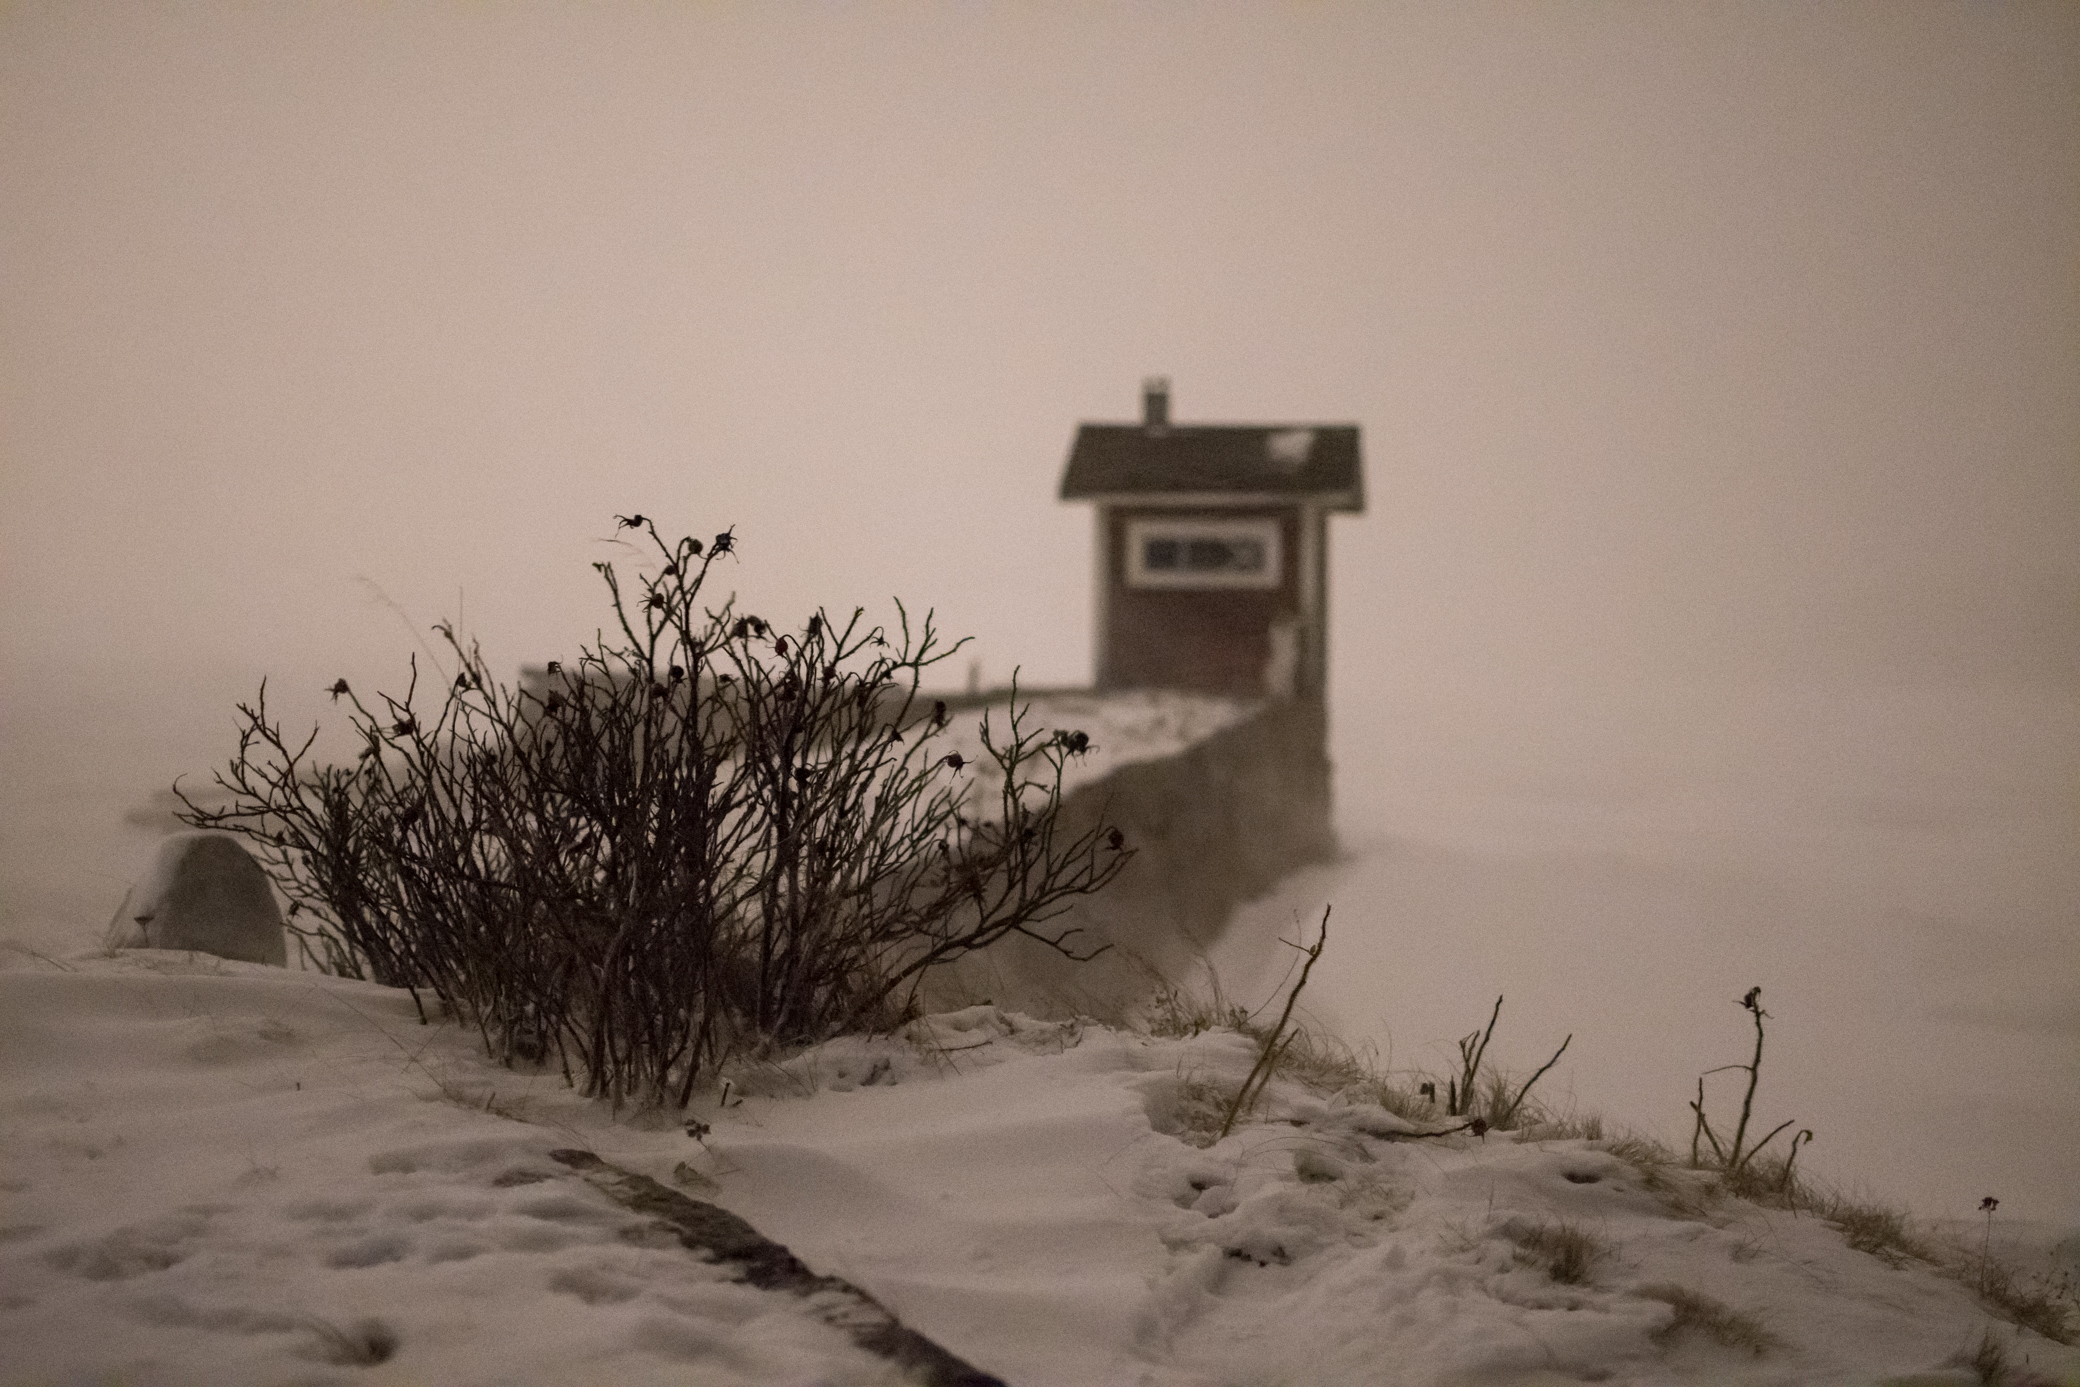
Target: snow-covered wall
1124, 728
1216, 822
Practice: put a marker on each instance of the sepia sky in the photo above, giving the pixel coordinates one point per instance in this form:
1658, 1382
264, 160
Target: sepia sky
1687, 340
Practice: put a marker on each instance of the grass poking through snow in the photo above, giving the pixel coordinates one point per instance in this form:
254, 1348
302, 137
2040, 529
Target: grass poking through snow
1722, 1165
1695, 1312
1568, 1252
1989, 1362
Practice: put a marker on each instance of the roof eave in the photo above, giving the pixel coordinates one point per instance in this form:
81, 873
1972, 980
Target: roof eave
1352, 501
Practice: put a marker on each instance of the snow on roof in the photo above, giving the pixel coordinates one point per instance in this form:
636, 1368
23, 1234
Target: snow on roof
1278, 462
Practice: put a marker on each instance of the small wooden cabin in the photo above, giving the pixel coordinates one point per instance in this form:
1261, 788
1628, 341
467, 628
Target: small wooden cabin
1213, 548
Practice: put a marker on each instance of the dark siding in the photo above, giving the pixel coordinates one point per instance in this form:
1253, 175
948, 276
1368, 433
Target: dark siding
1214, 640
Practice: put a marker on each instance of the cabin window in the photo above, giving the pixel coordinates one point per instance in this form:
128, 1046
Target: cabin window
1204, 553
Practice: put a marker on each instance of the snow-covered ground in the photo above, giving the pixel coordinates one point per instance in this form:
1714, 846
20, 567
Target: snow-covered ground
1896, 868
226, 1173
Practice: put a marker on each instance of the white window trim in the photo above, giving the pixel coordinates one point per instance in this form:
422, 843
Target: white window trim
1265, 530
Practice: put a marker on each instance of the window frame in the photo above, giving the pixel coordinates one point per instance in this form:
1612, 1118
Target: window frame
1264, 530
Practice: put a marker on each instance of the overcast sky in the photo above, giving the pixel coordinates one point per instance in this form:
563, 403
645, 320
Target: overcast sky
1686, 339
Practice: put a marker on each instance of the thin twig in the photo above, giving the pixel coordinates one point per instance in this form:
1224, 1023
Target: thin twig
1511, 1110
1267, 1059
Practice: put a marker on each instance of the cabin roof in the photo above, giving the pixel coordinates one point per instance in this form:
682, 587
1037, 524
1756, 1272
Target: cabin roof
1277, 462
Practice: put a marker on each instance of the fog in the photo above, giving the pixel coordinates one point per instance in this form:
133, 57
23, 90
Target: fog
1714, 619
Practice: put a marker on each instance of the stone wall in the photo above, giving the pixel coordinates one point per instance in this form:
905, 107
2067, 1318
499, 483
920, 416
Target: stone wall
1212, 826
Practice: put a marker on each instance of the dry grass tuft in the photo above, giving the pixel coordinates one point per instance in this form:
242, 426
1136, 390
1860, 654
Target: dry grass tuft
1327, 1066
1989, 1363
1331, 1068
1662, 1174
2042, 1303
1173, 1013
1568, 1252
1877, 1229
362, 1344
1201, 1108
1562, 1127
1695, 1311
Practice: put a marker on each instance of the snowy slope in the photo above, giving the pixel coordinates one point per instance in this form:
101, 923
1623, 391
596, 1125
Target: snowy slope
226, 1173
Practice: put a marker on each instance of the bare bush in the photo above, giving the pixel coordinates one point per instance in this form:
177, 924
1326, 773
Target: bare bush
1734, 1158
702, 835
1489, 1101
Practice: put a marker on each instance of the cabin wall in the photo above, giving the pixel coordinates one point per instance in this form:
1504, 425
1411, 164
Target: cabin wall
1212, 640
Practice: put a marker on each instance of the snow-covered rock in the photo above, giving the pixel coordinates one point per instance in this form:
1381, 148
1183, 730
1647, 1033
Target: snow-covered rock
203, 892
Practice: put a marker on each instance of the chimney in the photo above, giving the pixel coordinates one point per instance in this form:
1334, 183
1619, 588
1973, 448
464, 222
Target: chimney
1155, 402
